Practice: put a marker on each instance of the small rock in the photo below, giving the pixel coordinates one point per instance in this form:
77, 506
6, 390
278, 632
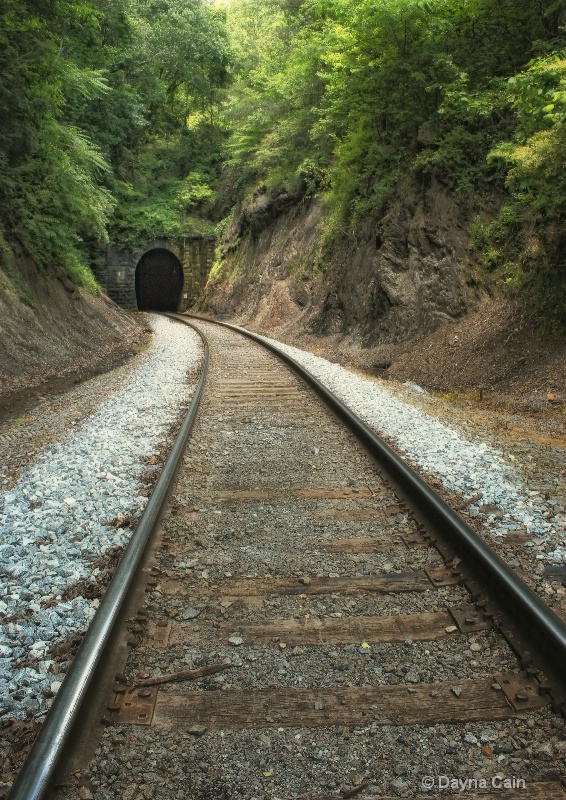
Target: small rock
197, 730
475, 647
457, 691
236, 640
399, 786
109, 767
305, 581
149, 778
451, 629
544, 751
191, 613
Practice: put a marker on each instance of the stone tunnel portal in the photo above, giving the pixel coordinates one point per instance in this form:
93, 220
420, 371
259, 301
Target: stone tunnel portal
159, 281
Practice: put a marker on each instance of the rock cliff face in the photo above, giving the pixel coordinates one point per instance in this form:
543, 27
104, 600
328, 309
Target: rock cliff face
397, 298
390, 280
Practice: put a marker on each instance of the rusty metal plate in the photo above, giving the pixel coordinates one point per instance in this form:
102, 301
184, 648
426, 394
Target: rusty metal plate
417, 581
291, 707
521, 691
135, 709
442, 577
469, 618
411, 540
321, 631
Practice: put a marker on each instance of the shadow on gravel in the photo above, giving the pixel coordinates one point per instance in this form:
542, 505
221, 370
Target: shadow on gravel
216, 790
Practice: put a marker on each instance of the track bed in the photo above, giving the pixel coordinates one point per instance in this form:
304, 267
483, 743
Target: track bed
350, 661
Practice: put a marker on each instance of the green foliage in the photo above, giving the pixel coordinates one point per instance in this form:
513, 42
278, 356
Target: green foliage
271, 105
534, 160
142, 217
51, 192
194, 190
179, 63
506, 252
332, 93
87, 89
343, 97
534, 165
142, 119
81, 275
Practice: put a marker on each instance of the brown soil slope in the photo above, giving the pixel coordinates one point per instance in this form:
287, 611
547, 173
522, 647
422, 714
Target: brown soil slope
52, 333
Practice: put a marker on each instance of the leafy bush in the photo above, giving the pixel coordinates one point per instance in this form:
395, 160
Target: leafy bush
193, 191
535, 159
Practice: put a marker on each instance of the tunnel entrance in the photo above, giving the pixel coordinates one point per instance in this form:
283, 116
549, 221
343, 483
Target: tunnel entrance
159, 281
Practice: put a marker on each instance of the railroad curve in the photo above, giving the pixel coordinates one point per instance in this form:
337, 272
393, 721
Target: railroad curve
300, 636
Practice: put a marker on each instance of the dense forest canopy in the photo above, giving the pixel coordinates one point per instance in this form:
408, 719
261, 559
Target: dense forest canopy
131, 119
105, 105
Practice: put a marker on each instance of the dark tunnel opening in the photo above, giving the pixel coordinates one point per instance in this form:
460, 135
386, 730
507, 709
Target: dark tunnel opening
159, 281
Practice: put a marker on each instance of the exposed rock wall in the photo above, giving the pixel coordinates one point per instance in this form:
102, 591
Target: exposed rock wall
391, 279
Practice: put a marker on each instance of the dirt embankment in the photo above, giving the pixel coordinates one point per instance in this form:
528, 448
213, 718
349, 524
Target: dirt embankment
402, 297
53, 334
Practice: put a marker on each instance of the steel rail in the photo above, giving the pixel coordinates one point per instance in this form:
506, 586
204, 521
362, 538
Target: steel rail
545, 630
38, 770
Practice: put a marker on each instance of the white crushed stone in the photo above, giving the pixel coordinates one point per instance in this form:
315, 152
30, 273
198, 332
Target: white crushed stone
463, 466
52, 522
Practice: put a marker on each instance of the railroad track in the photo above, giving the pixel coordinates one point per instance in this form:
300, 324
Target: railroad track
306, 626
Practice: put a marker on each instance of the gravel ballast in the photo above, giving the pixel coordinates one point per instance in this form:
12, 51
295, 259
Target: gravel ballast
463, 466
268, 484
76, 504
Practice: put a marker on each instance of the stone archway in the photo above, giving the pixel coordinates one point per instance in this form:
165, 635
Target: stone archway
159, 281
127, 277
